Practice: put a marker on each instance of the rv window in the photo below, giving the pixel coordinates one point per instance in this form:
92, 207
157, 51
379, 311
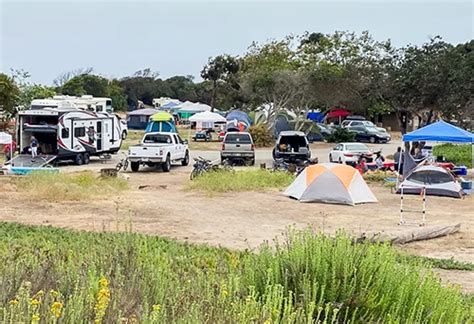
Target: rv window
65, 133
98, 108
80, 132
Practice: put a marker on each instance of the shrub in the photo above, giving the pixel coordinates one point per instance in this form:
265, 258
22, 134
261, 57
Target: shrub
341, 134
52, 275
248, 180
459, 154
261, 136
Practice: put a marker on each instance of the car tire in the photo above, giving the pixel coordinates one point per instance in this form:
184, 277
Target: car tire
340, 161
251, 162
87, 158
134, 166
330, 158
124, 135
372, 139
185, 161
79, 159
166, 166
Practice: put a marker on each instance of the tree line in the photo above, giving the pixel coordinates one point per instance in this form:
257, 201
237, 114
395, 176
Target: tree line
297, 74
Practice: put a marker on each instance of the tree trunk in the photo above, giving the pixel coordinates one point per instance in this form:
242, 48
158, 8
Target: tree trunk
214, 92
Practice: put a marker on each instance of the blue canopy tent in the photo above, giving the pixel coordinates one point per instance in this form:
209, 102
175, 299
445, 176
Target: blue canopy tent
316, 116
440, 131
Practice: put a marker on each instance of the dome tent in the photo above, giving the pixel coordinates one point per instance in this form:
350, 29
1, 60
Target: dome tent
436, 180
330, 183
237, 120
161, 122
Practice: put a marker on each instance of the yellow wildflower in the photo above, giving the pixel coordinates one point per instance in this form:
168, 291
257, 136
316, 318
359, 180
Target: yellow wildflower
267, 322
39, 294
56, 309
54, 293
13, 301
103, 299
35, 318
35, 302
156, 308
103, 282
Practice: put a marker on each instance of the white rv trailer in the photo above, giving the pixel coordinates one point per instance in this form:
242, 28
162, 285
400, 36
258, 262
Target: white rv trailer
69, 133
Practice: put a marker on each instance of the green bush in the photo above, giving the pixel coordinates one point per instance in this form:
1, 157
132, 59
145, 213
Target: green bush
51, 275
340, 135
459, 154
261, 136
248, 180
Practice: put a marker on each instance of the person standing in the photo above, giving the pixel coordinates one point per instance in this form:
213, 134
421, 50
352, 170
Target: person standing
34, 147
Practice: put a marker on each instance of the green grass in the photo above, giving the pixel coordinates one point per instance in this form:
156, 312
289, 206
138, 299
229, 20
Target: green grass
459, 154
53, 275
245, 180
447, 264
68, 186
133, 138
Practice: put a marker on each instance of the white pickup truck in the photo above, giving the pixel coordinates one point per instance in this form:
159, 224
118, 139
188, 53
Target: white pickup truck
159, 148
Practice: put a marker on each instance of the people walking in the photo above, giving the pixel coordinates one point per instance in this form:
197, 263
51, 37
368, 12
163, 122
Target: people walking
34, 147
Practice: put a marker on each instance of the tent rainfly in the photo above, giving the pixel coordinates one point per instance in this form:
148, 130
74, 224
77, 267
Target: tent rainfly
331, 183
436, 180
440, 131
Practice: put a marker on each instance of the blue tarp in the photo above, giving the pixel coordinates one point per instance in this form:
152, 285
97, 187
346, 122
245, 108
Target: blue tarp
315, 116
440, 132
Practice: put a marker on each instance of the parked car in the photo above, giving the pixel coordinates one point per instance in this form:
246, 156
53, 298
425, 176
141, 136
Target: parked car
159, 148
357, 122
238, 146
320, 133
292, 146
369, 134
202, 136
349, 153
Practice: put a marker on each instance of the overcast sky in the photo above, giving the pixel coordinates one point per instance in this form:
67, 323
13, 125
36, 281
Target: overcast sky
117, 38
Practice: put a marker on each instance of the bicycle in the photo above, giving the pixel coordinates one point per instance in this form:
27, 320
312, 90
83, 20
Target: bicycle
123, 164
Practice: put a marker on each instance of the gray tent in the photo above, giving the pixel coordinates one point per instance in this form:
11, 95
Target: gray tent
437, 181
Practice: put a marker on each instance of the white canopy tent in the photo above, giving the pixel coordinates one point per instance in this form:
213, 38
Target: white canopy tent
207, 119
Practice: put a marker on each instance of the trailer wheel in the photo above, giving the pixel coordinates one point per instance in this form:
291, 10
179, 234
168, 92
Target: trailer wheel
87, 158
166, 166
134, 166
79, 159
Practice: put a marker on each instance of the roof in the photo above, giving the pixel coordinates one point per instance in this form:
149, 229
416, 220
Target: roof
440, 131
291, 133
207, 116
143, 112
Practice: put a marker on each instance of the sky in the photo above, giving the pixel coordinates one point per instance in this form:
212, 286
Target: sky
117, 38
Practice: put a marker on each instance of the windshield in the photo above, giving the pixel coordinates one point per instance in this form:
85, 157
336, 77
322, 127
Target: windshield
372, 129
157, 139
356, 147
238, 138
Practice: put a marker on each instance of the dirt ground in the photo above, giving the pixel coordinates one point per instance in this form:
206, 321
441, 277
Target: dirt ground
163, 206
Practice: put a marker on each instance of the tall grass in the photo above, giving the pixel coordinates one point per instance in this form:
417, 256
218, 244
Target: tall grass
457, 153
68, 186
54, 275
248, 180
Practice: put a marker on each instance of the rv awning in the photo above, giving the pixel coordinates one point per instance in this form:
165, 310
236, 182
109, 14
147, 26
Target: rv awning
440, 132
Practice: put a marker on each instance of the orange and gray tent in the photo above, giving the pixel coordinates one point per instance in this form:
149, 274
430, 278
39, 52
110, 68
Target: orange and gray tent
331, 183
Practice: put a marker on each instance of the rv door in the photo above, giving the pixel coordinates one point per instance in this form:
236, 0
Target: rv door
106, 133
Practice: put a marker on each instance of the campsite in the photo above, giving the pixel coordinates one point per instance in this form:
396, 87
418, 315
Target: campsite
222, 162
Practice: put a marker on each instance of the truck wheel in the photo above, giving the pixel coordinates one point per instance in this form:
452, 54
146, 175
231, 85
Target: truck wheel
124, 135
79, 160
167, 165
185, 161
134, 166
87, 158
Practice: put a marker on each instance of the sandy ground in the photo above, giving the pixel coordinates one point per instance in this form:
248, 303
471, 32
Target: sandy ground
163, 206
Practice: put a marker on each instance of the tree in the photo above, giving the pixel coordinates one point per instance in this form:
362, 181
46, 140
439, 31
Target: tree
219, 69
65, 77
89, 84
9, 93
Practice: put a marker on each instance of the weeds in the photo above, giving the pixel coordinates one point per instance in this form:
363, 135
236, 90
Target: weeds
63, 186
52, 275
248, 180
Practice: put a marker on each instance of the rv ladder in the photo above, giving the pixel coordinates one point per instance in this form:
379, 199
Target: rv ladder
403, 221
